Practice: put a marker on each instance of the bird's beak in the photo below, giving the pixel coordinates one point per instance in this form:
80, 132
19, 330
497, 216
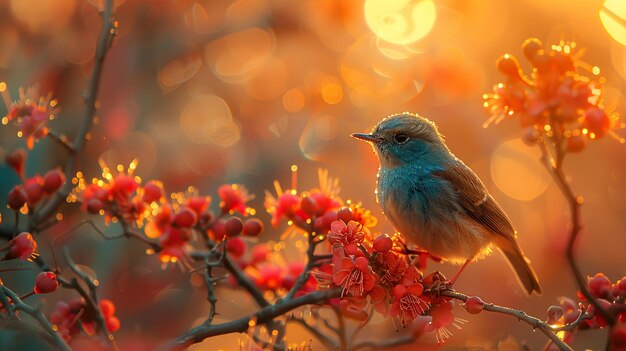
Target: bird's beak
367, 137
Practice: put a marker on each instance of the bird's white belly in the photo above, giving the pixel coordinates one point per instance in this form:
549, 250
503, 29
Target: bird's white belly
455, 239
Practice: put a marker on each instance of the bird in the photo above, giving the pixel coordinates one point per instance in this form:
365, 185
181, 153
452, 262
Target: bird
436, 201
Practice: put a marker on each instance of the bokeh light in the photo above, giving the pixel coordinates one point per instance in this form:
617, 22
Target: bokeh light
516, 170
400, 21
613, 17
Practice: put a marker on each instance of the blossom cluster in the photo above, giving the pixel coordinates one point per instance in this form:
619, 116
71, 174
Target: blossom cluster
610, 295
561, 97
31, 113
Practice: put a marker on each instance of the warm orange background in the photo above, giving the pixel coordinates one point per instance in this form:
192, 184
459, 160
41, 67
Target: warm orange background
216, 91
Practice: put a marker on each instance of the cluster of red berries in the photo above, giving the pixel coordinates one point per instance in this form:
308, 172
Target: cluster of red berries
610, 295
34, 188
555, 99
69, 318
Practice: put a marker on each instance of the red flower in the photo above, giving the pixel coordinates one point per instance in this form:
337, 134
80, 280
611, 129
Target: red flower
355, 277
31, 113
408, 303
46, 282
286, 205
234, 198
23, 247
349, 236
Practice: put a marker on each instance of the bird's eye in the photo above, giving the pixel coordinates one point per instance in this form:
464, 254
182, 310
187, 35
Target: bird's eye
401, 138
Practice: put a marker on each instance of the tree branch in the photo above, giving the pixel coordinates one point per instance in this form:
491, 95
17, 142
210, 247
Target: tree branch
534, 322
107, 33
262, 316
38, 315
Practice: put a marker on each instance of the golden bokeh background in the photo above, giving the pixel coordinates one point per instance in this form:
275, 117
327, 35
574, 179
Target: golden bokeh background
205, 92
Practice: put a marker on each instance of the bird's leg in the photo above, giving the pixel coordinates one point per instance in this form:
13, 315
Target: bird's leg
458, 273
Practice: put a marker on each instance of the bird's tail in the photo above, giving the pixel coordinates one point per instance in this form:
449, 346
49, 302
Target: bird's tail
521, 265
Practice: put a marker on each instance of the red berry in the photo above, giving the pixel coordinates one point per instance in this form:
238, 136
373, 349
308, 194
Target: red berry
597, 121
382, 243
34, 189
236, 246
344, 214
107, 307
112, 323
16, 160
252, 227
531, 46
53, 180
152, 191
46, 282
474, 305
17, 198
94, 206
185, 218
22, 246
509, 65
233, 226
599, 285
219, 230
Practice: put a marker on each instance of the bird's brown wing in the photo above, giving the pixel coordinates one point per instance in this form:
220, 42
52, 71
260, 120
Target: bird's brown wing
476, 201
479, 205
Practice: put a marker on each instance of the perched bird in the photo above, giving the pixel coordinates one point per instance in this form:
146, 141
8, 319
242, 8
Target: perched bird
437, 202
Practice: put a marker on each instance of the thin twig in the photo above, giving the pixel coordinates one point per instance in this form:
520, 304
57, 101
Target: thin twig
38, 315
554, 167
104, 43
62, 140
91, 299
534, 322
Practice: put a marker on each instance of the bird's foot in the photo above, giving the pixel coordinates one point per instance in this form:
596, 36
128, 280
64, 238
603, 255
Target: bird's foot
437, 283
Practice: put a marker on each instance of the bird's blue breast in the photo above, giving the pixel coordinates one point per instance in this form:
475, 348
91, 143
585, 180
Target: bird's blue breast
418, 203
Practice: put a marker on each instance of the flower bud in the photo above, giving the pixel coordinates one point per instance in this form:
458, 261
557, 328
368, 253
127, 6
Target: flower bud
596, 121
382, 243
34, 189
309, 206
16, 160
344, 214
474, 305
236, 246
22, 246
252, 227
599, 285
185, 218
152, 191
554, 314
17, 198
46, 282
53, 180
94, 206
233, 226
107, 307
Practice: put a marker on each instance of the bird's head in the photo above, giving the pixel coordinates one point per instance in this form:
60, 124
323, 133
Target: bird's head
405, 138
